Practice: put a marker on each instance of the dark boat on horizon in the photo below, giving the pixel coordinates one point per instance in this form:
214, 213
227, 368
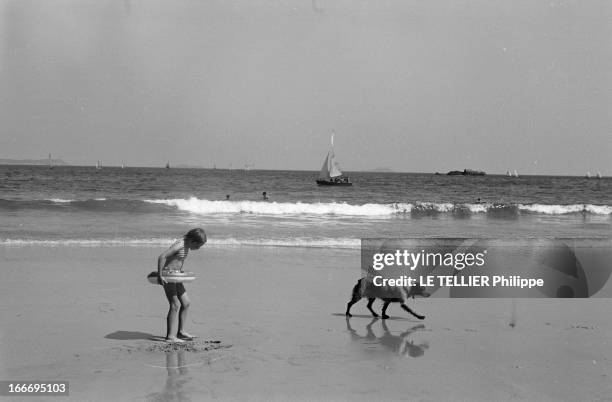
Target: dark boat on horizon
466, 172
341, 182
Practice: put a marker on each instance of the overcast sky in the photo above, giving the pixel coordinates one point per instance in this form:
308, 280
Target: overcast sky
412, 85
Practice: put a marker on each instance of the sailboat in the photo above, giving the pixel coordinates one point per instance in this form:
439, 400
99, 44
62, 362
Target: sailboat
168, 165
598, 174
330, 174
515, 173
50, 162
98, 167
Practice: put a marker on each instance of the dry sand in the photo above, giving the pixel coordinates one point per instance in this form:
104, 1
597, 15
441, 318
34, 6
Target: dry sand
271, 327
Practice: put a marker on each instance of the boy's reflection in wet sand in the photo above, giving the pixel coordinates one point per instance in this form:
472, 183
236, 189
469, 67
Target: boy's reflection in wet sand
174, 389
398, 344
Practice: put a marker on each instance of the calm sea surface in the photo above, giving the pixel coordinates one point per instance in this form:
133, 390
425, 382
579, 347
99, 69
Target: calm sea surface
140, 206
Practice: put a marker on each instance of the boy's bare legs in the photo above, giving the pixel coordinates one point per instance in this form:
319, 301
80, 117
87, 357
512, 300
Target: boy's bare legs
173, 312
185, 303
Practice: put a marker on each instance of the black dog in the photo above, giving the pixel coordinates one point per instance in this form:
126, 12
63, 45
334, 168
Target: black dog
366, 287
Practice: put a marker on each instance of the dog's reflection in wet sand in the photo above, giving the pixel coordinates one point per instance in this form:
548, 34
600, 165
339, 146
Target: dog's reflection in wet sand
397, 344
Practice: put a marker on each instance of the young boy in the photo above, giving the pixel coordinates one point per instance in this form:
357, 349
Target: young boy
173, 260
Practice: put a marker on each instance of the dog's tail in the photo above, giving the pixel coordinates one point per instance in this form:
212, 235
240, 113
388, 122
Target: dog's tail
357, 290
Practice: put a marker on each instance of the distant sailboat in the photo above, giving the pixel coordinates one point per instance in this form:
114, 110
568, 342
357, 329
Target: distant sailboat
98, 167
50, 162
508, 173
168, 165
598, 174
588, 175
515, 173
123, 166
330, 174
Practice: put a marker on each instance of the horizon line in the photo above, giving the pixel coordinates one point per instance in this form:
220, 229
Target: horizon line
187, 166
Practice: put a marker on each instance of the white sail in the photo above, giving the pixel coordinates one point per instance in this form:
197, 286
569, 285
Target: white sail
324, 173
330, 171
330, 167
334, 169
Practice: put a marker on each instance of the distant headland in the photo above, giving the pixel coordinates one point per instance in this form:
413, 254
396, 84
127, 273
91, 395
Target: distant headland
382, 170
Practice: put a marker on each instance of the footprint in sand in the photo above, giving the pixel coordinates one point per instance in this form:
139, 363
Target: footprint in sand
189, 346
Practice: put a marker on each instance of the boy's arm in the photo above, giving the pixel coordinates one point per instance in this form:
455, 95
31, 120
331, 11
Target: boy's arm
161, 261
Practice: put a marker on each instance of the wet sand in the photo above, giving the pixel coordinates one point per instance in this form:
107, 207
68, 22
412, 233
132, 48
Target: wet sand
271, 326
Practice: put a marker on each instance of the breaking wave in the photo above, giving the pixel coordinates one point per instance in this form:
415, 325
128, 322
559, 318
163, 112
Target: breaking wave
302, 242
207, 207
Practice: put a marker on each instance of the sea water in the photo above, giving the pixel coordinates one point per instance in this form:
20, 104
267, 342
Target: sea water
151, 206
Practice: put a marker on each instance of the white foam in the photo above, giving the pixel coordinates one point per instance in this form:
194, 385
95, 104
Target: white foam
599, 209
86, 242
440, 207
477, 208
566, 209
59, 200
206, 207
303, 242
